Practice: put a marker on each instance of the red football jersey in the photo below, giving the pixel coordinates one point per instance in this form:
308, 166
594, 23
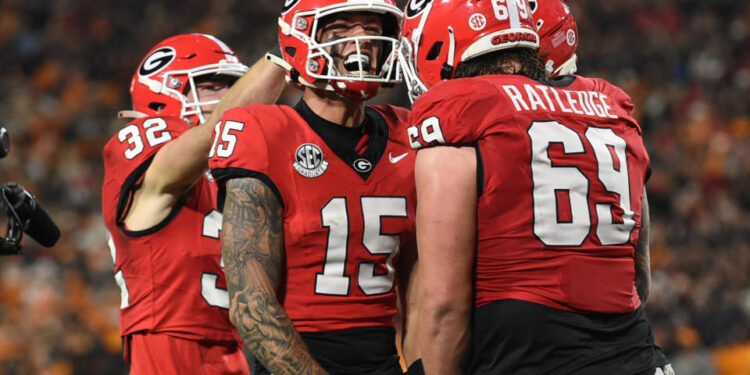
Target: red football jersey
170, 276
342, 231
562, 169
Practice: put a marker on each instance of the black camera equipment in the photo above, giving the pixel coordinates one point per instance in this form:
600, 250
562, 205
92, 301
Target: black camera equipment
24, 213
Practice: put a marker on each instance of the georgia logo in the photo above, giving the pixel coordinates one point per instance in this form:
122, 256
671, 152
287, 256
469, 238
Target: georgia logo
416, 7
157, 61
309, 161
362, 165
288, 5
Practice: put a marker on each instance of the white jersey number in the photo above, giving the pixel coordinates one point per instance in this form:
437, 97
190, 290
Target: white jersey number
156, 134
119, 278
513, 9
214, 296
225, 139
335, 217
556, 186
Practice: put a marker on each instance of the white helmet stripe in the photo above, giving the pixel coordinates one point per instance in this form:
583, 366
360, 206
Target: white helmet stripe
515, 22
221, 44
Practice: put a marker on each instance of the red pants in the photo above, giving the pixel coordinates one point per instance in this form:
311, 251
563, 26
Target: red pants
152, 354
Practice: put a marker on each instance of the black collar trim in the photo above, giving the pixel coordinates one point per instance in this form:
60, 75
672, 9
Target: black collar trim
344, 141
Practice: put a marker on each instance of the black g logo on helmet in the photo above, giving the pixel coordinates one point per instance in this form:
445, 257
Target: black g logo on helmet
288, 5
157, 61
416, 7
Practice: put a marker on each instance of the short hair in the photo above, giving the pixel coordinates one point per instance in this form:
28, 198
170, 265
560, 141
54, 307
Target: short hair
492, 63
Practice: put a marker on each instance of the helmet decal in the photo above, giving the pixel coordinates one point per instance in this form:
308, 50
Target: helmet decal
477, 21
416, 7
571, 37
157, 61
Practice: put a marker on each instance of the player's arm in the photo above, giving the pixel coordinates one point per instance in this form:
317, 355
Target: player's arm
446, 234
408, 286
642, 256
252, 249
181, 162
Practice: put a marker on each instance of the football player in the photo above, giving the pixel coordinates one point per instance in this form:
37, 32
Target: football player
159, 207
531, 262
320, 197
558, 41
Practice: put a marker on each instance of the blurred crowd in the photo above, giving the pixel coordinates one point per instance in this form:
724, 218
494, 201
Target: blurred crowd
65, 67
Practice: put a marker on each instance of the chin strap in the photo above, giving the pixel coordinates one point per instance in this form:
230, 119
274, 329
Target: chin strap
129, 113
566, 68
278, 61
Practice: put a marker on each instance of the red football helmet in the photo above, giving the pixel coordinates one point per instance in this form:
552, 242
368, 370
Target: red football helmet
314, 66
558, 35
439, 34
160, 83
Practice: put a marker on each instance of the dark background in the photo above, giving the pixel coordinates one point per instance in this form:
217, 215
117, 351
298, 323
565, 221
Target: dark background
65, 67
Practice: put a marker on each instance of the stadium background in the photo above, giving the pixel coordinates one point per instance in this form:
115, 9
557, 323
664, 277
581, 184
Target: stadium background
65, 66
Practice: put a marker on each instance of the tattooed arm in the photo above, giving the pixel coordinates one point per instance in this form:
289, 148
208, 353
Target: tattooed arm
252, 247
642, 257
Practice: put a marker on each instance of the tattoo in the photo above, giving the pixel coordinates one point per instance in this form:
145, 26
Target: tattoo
252, 247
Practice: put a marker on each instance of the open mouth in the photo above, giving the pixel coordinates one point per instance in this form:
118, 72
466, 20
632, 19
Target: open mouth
357, 63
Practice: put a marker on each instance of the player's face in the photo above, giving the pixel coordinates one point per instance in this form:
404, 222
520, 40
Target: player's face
345, 54
210, 90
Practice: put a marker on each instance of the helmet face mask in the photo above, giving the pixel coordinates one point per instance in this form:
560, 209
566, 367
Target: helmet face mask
439, 35
192, 104
165, 82
319, 63
407, 65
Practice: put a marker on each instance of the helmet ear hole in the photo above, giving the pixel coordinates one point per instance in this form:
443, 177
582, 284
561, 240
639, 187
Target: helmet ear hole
291, 51
391, 26
156, 107
434, 51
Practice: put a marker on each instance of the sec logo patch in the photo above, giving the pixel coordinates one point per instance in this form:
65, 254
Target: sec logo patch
309, 161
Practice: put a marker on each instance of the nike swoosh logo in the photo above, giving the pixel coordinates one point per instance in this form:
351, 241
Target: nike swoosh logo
397, 158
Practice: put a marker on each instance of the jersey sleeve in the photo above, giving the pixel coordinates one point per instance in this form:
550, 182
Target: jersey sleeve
240, 148
138, 142
452, 113
129, 153
621, 99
